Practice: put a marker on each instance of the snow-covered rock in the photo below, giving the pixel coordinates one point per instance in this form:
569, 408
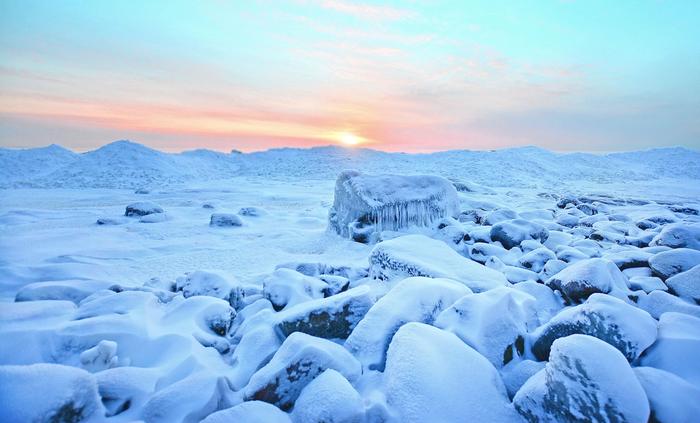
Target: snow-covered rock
249, 412
686, 284
100, 357
225, 220
329, 399
418, 255
547, 302
297, 362
154, 218
124, 390
679, 235
416, 299
142, 208
586, 277
584, 380
659, 302
511, 233
516, 373
286, 287
432, 376
499, 215
536, 259
389, 202
74, 290
623, 326
252, 211
671, 398
201, 282
48, 393
512, 273
677, 348
672, 262
647, 283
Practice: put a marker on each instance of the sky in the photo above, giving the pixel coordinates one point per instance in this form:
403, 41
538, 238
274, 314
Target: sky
412, 75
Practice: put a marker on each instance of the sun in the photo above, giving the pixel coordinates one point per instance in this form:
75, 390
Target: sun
349, 138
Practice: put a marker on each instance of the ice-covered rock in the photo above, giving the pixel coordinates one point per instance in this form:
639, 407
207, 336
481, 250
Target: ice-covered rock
329, 399
570, 254
552, 267
672, 262
416, 299
389, 202
623, 326
418, 255
677, 348
74, 290
142, 208
660, 302
511, 233
686, 284
586, 277
298, 361
249, 412
432, 376
481, 252
225, 220
201, 282
286, 287
48, 393
679, 235
494, 323
671, 398
585, 380
331, 318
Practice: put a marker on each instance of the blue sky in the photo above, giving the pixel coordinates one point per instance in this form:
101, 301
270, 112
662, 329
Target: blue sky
409, 76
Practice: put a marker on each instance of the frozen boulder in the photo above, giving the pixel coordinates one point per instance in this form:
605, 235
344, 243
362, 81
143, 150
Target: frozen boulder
623, 326
585, 380
329, 399
671, 398
586, 277
536, 259
249, 412
511, 233
225, 220
660, 302
142, 208
686, 284
74, 290
373, 203
432, 376
551, 268
677, 348
286, 287
679, 235
481, 252
48, 393
205, 283
331, 318
494, 323
416, 299
298, 361
672, 262
418, 255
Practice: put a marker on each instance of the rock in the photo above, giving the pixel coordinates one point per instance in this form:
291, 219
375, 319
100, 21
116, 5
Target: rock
585, 380
286, 287
329, 398
481, 252
551, 268
536, 259
647, 283
223, 220
48, 393
374, 203
416, 299
558, 238
432, 376
298, 361
570, 254
686, 284
566, 219
672, 262
547, 302
252, 211
74, 290
511, 233
677, 348
512, 273
671, 398
629, 258
142, 208
679, 235
154, 218
586, 277
494, 323
659, 302
100, 357
208, 206
256, 346
418, 255
331, 318
499, 215
124, 390
249, 412
623, 326
110, 221
205, 283
517, 372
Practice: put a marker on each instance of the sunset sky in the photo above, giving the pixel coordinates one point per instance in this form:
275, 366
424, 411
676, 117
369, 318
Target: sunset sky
400, 76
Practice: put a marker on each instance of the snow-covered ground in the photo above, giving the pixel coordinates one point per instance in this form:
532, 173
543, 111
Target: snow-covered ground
541, 286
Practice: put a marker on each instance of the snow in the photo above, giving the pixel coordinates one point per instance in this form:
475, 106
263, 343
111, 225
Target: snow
671, 398
329, 398
677, 347
686, 284
586, 277
668, 263
249, 412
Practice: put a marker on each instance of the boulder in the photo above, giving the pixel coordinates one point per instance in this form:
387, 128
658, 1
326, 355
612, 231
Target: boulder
660, 302
511, 233
536, 259
142, 208
329, 398
204, 283
647, 283
225, 220
586, 277
286, 287
671, 398
249, 412
679, 235
677, 348
252, 211
672, 262
686, 284
517, 372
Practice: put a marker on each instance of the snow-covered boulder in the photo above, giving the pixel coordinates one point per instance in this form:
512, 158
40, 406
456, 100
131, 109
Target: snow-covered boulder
536, 259
512, 273
48, 393
679, 235
201, 282
499, 215
586, 277
111, 221
511, 233
672, 262
671, 398
74, 290
286, 287
686, 284
677, 348
124, 390
331, 318
647, 283
329, 398
142, 208
373, 203
585, 380
658, 302
154, 218
225, 220
252, 211
432, 376
547, 302
255, 348
623, 326
418, 255
100, 357
249, 412
494, 323
516, 373
416, 299
629, 258
298, 361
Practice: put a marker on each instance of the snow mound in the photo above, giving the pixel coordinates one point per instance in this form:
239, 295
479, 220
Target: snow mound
678, 235
677, 348
672, 262
249, 412
329, 398
671, 398
686, 284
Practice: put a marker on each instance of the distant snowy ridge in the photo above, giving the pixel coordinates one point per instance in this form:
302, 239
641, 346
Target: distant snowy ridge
124, 164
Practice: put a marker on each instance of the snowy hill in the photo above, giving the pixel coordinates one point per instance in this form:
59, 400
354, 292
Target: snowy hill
124, 164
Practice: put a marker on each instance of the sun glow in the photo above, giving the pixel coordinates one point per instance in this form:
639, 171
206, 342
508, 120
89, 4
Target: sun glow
349, 139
